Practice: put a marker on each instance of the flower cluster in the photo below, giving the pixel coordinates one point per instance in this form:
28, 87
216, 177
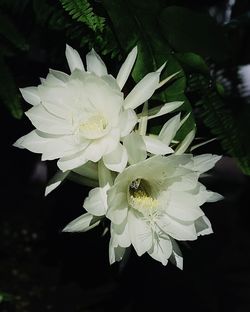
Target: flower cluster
149, 190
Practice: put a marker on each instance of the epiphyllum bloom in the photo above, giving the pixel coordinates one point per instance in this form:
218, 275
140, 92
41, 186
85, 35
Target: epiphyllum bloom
151, 204
82, 116
157, 201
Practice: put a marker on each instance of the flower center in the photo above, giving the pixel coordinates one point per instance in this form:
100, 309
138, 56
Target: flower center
140, 198
94, 127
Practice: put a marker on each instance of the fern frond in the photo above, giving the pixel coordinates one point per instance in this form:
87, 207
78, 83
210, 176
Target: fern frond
82, 11
221, 121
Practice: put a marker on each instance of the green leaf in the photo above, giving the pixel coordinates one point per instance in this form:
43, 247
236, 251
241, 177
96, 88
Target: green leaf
192, 62
82, 11
189, 31
135, 23
222, 122
11, 33
9, 93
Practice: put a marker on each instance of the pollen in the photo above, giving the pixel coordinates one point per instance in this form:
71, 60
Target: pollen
94, 123
142, 202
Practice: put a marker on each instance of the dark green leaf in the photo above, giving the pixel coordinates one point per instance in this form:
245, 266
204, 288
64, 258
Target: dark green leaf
11, 33
192, 62
9, 93
189, 31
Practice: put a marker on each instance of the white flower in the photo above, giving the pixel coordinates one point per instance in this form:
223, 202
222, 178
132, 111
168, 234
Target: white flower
83, 116
158, 200
151, 204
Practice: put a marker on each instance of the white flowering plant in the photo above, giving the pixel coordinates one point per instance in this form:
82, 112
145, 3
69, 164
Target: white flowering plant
145, 184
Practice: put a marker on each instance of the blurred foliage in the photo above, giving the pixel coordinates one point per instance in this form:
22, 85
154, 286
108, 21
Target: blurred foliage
5, 297
192, 42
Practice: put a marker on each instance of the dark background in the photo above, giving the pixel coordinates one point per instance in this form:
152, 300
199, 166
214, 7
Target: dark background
43, 269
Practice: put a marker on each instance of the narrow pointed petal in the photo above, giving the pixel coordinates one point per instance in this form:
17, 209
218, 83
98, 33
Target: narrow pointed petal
169, 129
58, 178
96, 202
164, 81
176, 257
128, 120
83, 223
73, 58
155, 146
160, 69
95, 64
117, 159
163, 109
205, 162
104, 176
126, 68
183, 146
142, 91
214, 197
136, 148
31, 95
59, 75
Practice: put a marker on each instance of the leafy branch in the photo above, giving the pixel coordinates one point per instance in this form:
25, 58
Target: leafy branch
82, 11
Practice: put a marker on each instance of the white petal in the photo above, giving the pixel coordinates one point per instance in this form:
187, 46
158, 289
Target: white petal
95, 64
140, 233
83, 223
31, 95
59, 75
176, 257
167, 79
71, 162
182, 206
117, 208
50, 147
155, 146
161, 249
104, 176
169, 129
203, 226
128, 120
214, 197
102, 146
205, 162
126, 68
58, 178
46, 122
202, 144
142, 91
163, 109
121, 233
177, 229
115, 253
183, 146
96, 202
135, 147
117, 159
73, 58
